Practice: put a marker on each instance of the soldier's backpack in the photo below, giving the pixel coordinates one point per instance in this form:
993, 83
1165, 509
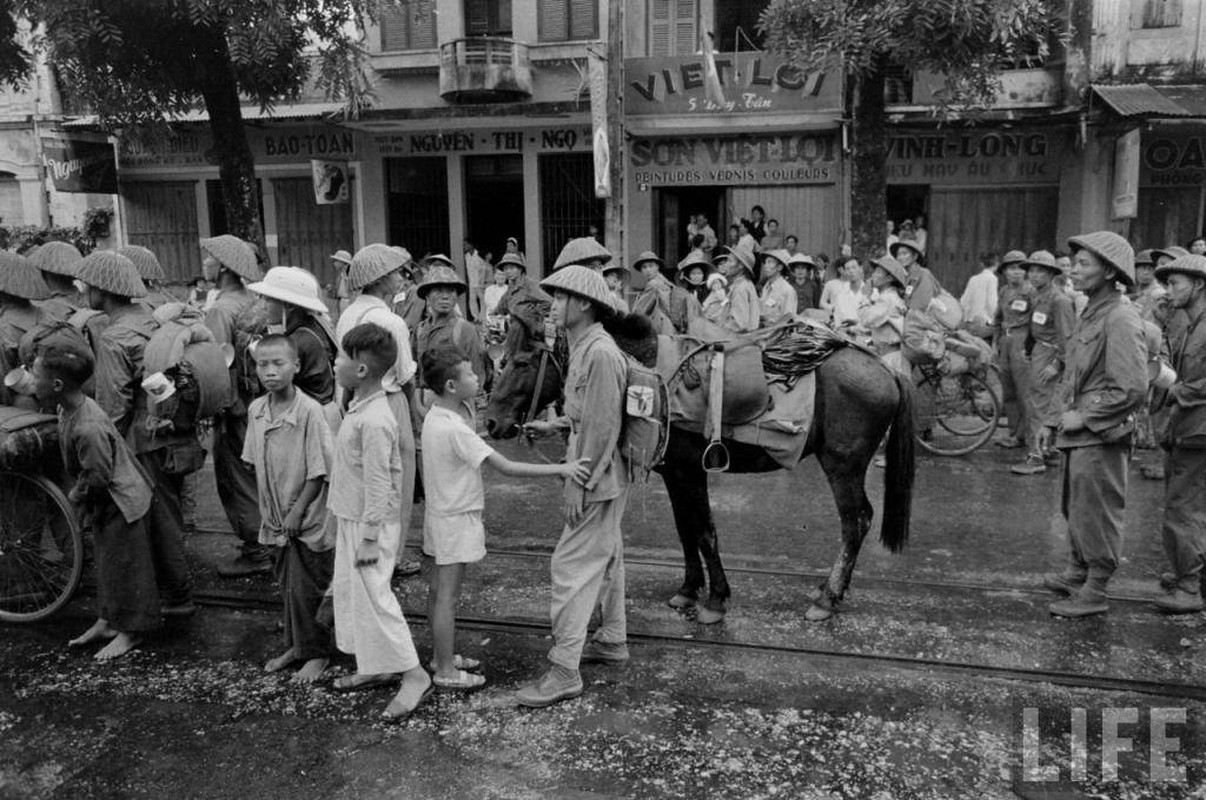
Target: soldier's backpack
645, 426
185, 351
72, 333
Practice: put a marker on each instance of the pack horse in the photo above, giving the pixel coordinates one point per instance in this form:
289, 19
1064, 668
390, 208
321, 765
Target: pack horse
857, 403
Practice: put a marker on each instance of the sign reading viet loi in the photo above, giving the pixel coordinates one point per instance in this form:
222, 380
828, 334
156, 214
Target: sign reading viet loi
733, 160
1172, 160
753, 83
975, 157
193, 147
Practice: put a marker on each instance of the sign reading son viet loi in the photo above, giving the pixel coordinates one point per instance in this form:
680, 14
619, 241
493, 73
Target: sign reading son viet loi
754, 83
734, 160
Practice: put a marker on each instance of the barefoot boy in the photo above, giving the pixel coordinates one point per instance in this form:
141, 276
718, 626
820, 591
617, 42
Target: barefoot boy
289, 445
453, 534
364, 497
114, 497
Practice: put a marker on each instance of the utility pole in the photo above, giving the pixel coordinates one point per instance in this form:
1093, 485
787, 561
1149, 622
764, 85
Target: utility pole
615, 127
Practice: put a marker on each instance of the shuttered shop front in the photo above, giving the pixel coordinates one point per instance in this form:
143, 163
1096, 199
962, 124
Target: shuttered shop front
162, 216
982, 190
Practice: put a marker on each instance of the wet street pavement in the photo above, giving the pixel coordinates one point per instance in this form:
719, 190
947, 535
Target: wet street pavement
942, 676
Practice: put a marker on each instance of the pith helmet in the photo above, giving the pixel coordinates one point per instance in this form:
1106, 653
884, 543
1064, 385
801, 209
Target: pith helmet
20, 278
893, 268
1012, 257
913, 245
58, 258
1043, 258
696, 259
373, 262
1172, 251
439, 258
648, 256
1144, 258
149, 268
801, 259
581, 282
1191, 265
342, 256
292, 285
234, 254
579, 251
440, 275
741, 257
512, 258
111, 272
1110, 248
780, 255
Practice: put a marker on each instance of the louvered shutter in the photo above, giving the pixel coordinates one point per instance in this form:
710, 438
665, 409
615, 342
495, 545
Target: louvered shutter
659, 28
685, 40
554, 20
395, 28
422, 24
584, 19
477, 17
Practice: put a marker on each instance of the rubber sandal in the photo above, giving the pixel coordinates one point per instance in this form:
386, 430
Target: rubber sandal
465, 682
459, 662
388, 717
344, 686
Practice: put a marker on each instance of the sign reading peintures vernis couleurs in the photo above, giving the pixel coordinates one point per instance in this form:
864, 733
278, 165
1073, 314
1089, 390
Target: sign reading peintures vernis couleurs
734, 160
752, 83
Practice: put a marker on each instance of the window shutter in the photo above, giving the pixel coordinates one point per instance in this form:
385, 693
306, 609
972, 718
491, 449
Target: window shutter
395, 28
685, 40
422, 24
554, 22
477, 17
584, 19
1162, 14
659, 28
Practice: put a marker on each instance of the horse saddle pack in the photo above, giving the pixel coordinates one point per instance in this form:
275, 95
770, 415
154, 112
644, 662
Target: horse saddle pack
729, 370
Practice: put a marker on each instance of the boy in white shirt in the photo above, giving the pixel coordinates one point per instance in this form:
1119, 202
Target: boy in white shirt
453, 532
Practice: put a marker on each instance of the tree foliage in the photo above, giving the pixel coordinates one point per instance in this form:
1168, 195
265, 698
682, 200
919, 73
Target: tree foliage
134, 61
968, 42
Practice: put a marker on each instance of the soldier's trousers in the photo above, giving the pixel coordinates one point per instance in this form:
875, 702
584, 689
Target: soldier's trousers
1184, 526
1094, 503
236, 485
1015, 382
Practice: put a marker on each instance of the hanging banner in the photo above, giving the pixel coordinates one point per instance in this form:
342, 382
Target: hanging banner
1126, 176
80, 165
331, 181
598, 122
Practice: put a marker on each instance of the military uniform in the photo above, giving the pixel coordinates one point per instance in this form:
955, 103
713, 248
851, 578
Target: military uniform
527, 302
1014, 307
1051, 322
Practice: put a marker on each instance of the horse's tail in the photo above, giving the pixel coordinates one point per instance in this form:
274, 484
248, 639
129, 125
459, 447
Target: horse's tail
901, 468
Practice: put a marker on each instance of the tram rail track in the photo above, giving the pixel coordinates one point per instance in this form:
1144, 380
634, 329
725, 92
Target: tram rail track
237, 600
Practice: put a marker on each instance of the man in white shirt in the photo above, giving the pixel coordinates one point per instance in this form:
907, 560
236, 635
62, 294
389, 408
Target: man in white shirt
705, 230
477, 274
979, 299
843, 295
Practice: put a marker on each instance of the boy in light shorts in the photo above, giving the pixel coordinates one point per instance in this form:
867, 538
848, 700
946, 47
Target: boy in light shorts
453, 533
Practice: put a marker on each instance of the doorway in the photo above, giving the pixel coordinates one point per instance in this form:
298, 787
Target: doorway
675, 206
494, 202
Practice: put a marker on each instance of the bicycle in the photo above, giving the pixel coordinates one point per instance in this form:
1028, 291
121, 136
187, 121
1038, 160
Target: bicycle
957, 412
41, 541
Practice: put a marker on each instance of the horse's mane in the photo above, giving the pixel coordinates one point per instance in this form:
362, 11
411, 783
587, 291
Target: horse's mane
635, 335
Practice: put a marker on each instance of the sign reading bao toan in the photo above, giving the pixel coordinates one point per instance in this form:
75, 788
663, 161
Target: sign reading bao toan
733, 160
752, 83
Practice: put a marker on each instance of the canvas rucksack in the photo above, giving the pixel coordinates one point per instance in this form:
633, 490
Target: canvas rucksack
645, 426
184, 350
70, 334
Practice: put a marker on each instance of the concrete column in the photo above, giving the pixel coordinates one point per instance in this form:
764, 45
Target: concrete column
204, 225
524, 21
531, 213
456, 207
271, 239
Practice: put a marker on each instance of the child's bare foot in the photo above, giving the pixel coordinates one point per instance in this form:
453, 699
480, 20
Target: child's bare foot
99, 631
415, 689
280, 662
358, 682
122, 643
310, 671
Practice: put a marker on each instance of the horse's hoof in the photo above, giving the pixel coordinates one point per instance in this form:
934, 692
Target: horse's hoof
708, 616
816, 613
681, 601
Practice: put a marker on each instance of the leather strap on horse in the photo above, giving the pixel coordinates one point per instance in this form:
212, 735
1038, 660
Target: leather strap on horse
716, 456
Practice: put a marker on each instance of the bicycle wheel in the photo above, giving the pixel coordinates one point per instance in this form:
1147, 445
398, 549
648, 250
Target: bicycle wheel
41, 548
961, 413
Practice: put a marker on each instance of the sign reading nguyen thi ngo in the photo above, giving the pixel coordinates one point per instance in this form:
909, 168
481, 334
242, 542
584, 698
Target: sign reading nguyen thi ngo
752, 83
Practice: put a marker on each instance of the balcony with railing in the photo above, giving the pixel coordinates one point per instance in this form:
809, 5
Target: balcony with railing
485, 69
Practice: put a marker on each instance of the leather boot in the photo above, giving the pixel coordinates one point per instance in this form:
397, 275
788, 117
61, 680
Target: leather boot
559, 683
1088, 601
596, 652
1180, 601
1063, 583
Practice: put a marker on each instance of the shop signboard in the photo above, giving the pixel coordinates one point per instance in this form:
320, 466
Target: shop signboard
193, 147
459, 141
751, 83
733, 160
975, 157
1126, 176
331, 181
80, 164
1173, 159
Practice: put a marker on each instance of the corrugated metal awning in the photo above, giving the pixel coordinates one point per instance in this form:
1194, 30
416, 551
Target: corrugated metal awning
283, 112
1144, 100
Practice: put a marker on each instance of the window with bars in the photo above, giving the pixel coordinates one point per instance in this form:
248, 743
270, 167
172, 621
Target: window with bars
568, 20
417, 204
673, 28
1161, 13
488, 18
568, 206
408, 25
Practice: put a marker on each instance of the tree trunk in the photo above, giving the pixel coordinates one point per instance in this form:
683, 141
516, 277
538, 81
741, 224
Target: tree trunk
236, 165
868, 185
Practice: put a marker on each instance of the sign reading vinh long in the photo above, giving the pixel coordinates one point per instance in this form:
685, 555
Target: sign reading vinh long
755, 83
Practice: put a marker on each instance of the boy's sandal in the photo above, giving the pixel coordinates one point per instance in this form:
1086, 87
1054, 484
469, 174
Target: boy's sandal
402, 715
360, 683
459, 662
465, 682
